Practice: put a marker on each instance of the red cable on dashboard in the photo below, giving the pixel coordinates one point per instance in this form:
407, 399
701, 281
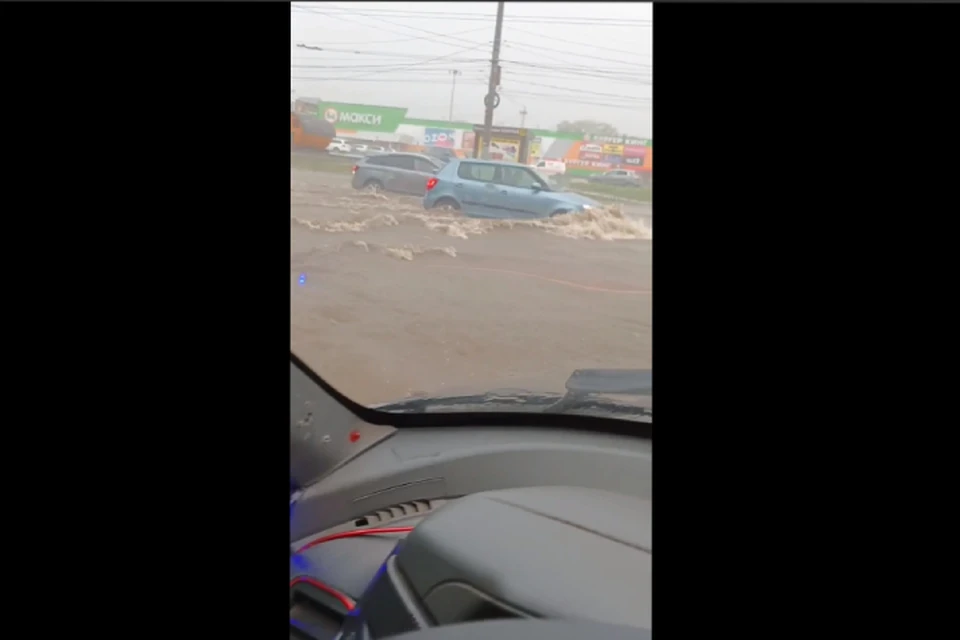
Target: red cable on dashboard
354, 534
344, 600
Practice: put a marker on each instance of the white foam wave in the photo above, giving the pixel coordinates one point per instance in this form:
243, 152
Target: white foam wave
608, 223
405, 252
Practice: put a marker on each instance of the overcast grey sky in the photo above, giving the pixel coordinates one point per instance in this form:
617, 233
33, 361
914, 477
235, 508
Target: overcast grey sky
561, 61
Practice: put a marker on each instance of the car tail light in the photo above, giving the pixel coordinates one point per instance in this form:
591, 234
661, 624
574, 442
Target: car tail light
354, 170
431, 183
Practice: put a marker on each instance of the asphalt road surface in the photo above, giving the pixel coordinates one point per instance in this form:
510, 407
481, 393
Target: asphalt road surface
390, 301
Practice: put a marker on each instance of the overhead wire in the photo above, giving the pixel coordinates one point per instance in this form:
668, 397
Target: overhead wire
457, 17
509, 44
600, 74
413, 38
384, 54
563, 69
538, 50
568, 41
387, 68
626, 73
402, 26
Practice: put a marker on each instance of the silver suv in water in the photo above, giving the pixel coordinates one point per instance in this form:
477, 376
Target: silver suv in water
398, 172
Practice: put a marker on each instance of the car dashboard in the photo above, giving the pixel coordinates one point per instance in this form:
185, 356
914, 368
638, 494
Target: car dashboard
495, 531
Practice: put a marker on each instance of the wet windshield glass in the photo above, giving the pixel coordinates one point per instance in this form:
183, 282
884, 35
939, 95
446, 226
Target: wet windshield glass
442, 269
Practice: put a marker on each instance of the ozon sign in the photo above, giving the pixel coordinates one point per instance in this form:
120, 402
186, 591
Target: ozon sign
352, 117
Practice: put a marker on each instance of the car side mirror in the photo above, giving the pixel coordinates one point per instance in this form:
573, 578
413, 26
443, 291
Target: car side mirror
537, 187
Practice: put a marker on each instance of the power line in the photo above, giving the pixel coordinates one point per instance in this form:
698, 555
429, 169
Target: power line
382, 65
328, 7
585, 103
410, 39
522, 76
582, 91
385, 54
583, 99
425, 68
459, 17
594, 71
400, 80
402, 26
582, 95
582, 44
539, 51
585, 73
562, 66
383, 69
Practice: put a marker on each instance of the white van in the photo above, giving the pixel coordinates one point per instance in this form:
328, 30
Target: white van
551, 167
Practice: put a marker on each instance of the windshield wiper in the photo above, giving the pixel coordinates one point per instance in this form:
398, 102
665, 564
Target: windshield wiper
621, 382
587, 390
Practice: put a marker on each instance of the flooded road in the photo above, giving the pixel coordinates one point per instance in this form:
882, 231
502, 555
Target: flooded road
389, 300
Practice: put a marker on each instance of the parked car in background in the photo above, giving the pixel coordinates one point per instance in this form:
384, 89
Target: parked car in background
496, 189
360, 148
379, 149
617, 177
339, 145
398, 172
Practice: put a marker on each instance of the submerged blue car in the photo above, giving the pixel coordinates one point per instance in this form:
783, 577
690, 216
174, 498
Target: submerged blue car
493, 189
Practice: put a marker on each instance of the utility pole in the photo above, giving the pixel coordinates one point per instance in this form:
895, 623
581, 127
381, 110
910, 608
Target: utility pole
453, 90
489, 102
523, 116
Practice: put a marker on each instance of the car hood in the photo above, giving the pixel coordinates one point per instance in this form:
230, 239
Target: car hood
575, 198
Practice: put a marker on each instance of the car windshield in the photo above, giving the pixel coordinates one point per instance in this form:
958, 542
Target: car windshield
545, 178
418, 277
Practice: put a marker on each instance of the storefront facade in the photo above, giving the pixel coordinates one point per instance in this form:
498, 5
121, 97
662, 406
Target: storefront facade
583, 155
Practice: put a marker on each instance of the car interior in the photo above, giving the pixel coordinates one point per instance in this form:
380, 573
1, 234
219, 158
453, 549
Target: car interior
465, 526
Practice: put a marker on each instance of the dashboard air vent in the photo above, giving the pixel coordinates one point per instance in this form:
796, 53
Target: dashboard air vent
397, 512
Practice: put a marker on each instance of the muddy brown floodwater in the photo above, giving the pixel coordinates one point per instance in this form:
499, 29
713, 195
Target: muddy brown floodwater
389, 300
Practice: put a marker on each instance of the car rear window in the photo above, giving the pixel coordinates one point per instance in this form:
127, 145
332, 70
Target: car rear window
475, 171
399, 162
425, 165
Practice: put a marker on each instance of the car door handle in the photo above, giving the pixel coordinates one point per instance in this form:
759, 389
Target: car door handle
458, 186
504, 192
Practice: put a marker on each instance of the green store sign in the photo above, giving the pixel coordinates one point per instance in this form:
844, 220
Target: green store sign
362, 117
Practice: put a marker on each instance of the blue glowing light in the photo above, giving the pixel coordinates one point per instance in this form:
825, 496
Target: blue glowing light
302, 280
302, 563
303, 627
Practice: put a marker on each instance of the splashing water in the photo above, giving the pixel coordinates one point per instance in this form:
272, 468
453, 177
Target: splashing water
608, 224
